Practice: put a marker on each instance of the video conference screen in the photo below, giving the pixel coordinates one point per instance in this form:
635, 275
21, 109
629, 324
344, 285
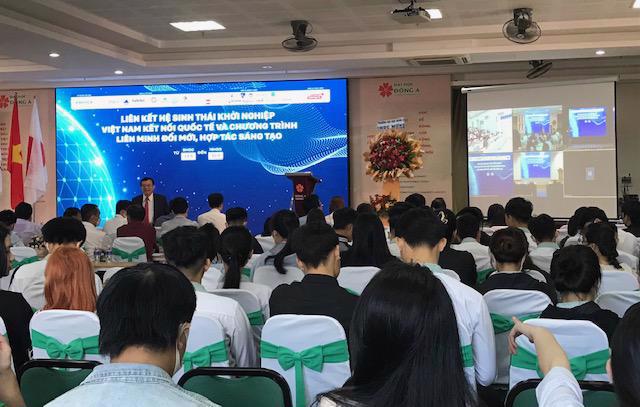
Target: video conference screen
553, 145
194, 139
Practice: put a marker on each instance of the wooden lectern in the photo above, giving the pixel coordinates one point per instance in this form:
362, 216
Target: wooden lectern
303, 185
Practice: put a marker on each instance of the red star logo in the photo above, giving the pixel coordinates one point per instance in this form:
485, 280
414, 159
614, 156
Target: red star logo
385, 90
299, 188
4, 102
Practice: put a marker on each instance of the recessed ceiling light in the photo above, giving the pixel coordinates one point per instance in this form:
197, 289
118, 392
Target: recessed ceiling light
600, 52
198, 25
118, 72
266, 67
54, 55
436, 14
636, 4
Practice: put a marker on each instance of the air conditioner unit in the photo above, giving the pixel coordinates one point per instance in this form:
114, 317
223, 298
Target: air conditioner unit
440, 61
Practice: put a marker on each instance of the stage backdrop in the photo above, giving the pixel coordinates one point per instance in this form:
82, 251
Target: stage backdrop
45, 208
417, 104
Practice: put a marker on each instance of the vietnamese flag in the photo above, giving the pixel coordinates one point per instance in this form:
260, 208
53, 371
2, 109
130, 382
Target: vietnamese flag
15, 157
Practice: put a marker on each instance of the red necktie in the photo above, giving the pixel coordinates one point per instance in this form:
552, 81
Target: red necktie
146, 210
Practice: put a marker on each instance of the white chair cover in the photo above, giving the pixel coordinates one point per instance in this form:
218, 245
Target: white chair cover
537, 275
301, 332
628, 259
266, 242
65, 326
23, 252
510, 303
269, 276
212, 277
110, 272
618, 281
618, 301
252, 261
251, 306
205, 331
129, 245
577, 338
449, 273
356, 278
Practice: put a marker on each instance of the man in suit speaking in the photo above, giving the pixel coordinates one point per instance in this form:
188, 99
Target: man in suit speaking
155, 205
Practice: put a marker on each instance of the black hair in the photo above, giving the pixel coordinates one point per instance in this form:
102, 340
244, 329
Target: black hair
395, 212
369, 246
575, 269
212, 236
8, 217
495, 215
147, 179
416, 199
4, 259
509, 245
24, 211
543, 228
310, 202
64, 230
519, 209
404, 344
144, 306
136, 212
575, 223
603, 236
448, 219
344, 217
438, 204
72, 212
419, 227
88, 210
284, 222
468, 225
316, 215
236, 215
122, 205
336, 203
215, 200
266, 227
313, 243
185, 248
179, 205
632, 210
471, 210
235, 250
625, 358
364, 208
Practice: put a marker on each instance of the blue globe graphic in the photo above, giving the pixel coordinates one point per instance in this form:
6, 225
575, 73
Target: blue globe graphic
82, 172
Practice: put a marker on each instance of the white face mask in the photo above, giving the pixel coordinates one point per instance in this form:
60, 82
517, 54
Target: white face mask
178, 362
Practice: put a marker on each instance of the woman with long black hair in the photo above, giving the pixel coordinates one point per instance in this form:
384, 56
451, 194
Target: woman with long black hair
369, 247
283, 223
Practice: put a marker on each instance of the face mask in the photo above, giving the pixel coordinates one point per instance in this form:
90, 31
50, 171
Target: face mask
178, 362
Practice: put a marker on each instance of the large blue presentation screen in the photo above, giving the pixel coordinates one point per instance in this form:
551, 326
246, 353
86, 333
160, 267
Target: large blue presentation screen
194, 139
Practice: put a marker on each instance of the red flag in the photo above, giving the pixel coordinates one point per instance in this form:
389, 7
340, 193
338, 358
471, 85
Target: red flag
15, 157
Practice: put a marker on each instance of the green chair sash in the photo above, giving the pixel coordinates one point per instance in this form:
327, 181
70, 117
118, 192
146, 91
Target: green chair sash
246, 272
312, 358
255, 318
350, 291
502, 323
205, 356
483, 274
593, 363
28, 260
467, 356
129, 256
75, 350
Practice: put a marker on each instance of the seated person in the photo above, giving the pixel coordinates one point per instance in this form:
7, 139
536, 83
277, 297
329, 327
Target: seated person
508, 250
69, 281
8, 218
576, 275
337, 202
417, 200
631, 217
495, 217
215, 215
462, 262
239, 217
119, 219
543, 230
343, 219
96, 238
137, 227
310, 202
316, 215
316, 245
24, 227
186, 249
213, 242
145, 314
601, 237
369, 244
468, 232
517, 215
395, 213
438, 204
283, 223
29, 278
421, 238
180, 208
72, 212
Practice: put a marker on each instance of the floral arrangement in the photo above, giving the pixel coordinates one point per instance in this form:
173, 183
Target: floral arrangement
393, 154
382, 203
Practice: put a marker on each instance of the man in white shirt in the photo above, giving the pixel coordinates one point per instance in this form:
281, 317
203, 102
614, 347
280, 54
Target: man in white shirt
468, 230
543, 229
120, 219
96, 238
215, 215
421, 238
180, 208
517, 214
29, 279
24, 227
186, 249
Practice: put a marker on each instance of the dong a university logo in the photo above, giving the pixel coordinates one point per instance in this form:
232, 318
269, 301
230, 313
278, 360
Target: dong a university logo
4, 101
387, 89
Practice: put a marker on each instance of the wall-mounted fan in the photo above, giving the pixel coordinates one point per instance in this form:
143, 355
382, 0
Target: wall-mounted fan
300, 41
522, 29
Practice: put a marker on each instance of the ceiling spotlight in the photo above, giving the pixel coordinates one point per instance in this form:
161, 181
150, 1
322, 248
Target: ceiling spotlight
118, 72
434, 13
600, 52
54, 55
266, 67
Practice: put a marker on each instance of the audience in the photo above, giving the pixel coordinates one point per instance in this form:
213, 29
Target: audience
29, 278
96, 239
517, 215
137, 227
543, 230
145, 315
369, 244
180, 208
508, 250
14, 310
461, 262
120, 219
395, 212
24, 227
212, 240
496, 216
343, 219
631, 217
337, 202
283, 223
417, 200
576, 275
215, 215
477, 212
365, 208
186, 249
468, 232
308, 204
72, 212
404, 345
315, 215
8, 218
318, 256
601, 237
240, 217
69, 281
439, 204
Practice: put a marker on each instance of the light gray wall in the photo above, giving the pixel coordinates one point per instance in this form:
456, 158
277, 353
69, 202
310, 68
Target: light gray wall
628, 132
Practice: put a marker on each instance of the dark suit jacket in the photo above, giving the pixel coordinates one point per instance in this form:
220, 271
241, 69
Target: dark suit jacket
160, 205
461, 262
144, 231
314, 295
16, 314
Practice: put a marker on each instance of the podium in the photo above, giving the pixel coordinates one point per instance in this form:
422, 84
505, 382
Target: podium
303, 185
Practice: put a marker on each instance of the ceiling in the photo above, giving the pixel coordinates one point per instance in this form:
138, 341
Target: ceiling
356, 38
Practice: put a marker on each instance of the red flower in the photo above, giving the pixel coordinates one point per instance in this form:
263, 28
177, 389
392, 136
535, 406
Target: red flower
385, 89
